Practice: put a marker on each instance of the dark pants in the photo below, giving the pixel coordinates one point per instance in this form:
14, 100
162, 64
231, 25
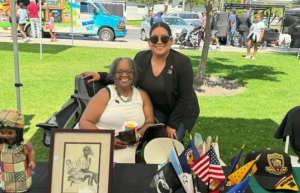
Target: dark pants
243, 37
200, 37
163, 118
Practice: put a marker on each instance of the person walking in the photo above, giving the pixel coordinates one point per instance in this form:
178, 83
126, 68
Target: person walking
22, 15
257, 31
33, 12
243, 25
157, 17
231, 27
214, 31
51, 27
8, 14
201, 33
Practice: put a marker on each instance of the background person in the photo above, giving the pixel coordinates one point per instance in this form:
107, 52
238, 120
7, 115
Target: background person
201, 33
167, 76
22, 15
214, 31
51, 26
257, 30
231, 27
8, 13
33, 12
157, 17
243, 25
118, 103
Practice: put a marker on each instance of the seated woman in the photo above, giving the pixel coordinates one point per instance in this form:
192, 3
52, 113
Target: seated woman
111, 107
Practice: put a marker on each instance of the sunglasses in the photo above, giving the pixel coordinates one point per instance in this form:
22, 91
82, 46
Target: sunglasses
163, 39
128, 72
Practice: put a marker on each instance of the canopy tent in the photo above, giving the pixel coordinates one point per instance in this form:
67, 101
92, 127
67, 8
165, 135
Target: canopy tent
252, 6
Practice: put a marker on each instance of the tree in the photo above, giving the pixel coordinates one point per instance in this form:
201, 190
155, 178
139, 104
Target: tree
199, 79
149, 3
193, 3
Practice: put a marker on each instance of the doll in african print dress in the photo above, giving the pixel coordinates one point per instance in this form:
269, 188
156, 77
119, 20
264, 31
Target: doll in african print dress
16, 154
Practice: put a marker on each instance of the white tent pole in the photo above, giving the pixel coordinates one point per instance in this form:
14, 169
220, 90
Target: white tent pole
41, 46
72, 22
16, 56
183, 4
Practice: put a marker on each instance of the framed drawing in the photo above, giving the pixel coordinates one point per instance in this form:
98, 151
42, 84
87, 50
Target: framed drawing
81, 161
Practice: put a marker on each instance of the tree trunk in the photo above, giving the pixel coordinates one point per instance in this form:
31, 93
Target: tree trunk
199, 79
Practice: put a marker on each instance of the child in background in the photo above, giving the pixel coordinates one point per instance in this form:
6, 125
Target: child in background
22, 15
51, 26
16, 153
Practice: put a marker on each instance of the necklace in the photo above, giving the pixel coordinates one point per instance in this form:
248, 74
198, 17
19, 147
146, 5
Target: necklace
128, 99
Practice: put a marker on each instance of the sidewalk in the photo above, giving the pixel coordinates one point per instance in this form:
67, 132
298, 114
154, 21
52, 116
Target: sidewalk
137, 44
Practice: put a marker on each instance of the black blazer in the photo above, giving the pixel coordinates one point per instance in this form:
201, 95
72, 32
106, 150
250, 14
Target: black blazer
181, 96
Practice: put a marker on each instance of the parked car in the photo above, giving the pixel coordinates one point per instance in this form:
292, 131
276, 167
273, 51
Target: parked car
191, 18
176, 24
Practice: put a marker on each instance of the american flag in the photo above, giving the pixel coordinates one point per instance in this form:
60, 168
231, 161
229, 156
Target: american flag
208, 167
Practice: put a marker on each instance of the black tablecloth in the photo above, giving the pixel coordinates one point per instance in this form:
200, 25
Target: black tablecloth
126, 178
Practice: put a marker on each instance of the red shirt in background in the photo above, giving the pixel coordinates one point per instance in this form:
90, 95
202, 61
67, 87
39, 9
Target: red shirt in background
33, 10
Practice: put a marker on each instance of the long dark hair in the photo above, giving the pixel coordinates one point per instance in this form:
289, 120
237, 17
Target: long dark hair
19, 136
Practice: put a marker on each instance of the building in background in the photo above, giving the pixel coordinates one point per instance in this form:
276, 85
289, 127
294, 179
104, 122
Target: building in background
139, 11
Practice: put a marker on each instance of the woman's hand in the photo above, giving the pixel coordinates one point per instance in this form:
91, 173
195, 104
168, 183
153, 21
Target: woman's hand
120, 144
171, 132
95, 76
31, 165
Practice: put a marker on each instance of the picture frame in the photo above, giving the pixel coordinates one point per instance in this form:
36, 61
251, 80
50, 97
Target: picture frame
81, 161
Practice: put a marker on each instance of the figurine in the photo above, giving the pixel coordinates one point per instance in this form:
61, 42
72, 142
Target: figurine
16, 153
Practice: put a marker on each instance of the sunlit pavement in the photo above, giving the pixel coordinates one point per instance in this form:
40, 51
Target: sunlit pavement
131, 41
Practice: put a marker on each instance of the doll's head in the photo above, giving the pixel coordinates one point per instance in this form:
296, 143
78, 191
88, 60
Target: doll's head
11, 127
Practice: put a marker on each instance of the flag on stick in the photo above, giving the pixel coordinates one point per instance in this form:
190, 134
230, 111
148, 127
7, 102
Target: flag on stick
188, 156
208, 167
241, 187
236, 160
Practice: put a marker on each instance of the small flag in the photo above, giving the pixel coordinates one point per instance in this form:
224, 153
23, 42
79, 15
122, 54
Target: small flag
187, 182
173, 158
236, 160
164, 180
237, 176
201, 168
188, 156
117, 101
208, 167
215, 169
241, 187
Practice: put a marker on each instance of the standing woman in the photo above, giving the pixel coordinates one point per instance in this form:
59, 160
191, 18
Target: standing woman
167, 76
256, 34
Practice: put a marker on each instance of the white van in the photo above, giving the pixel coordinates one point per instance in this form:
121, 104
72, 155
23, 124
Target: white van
191, 18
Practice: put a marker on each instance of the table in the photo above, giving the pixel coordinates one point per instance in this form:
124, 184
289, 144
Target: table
126, 178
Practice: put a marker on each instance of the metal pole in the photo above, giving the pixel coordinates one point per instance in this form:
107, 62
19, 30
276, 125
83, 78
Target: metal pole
72, 22
222, 5
183, 4
16, 56
41, 45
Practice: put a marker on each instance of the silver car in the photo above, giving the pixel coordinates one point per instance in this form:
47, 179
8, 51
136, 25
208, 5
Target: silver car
176, 24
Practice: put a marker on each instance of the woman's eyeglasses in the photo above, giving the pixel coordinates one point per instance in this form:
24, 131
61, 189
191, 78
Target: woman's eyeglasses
163, 39
128, 72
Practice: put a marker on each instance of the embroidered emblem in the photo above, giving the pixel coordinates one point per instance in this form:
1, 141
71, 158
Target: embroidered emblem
276, 163
171, 66
169, 71
117, 101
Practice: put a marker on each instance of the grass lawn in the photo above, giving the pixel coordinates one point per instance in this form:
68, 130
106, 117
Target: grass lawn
136, 23
272, 82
